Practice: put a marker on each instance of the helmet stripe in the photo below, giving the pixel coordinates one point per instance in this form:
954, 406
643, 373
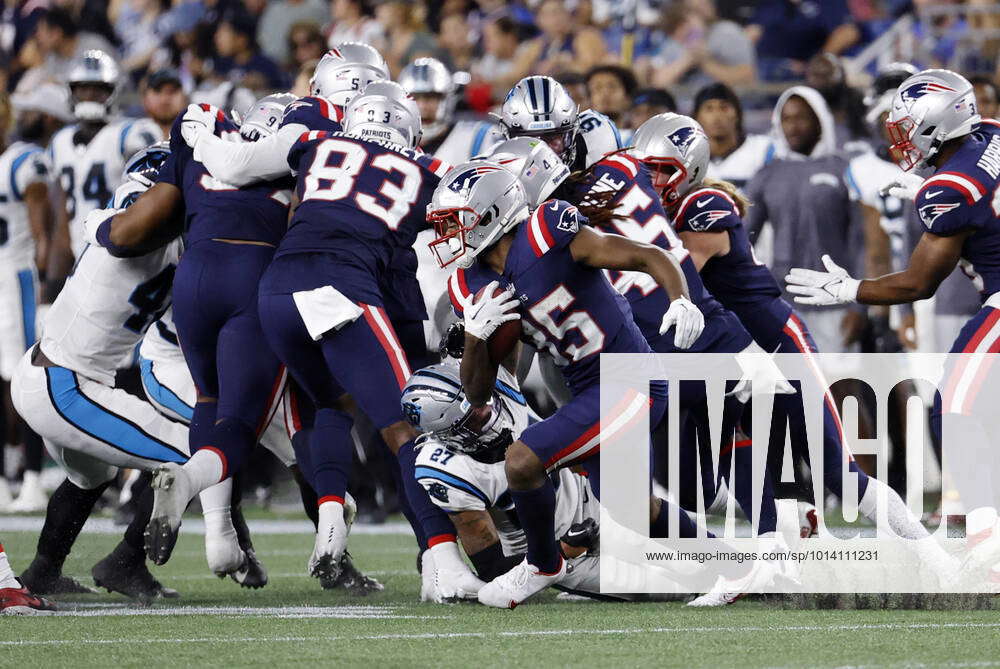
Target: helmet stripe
546, 95
533, 95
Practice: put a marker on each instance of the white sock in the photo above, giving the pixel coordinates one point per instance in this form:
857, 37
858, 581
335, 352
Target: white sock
332, 514
204, 469
7, 579
980, 524
446, 556
216, 510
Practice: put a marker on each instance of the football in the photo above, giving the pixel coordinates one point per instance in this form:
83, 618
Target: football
501, 342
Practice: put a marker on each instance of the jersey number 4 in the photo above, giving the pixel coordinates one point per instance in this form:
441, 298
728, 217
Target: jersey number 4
338, 163
149, 299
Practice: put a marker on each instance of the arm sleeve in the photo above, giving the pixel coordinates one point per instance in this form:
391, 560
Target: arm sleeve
242, 163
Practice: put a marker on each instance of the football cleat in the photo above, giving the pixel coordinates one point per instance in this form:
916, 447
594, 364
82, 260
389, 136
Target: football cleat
726, 591
425, 563
331, 542
351, 580
508, 590
808, 523
171, 494
32, 497
223, 553
252, 573
42, 578
20, 602
130, 579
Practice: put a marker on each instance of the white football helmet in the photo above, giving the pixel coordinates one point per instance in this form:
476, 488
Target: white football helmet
264, 117
540, 107
344, 70
94, 67
474, 205
383, 111
429, 76
675, 150
434, 403
930, 108
534, 162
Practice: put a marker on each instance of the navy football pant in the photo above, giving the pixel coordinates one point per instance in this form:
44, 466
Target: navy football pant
215, 312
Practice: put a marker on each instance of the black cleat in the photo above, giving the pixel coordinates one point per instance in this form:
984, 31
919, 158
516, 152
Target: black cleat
351, 580
43, 578
252, 574
130, 578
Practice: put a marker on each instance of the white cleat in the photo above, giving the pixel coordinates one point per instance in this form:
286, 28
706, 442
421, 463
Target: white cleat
428, 575
331, 542
455, 585
223, 553
508, 590
808, 522
32, 497
171, 495
726, 591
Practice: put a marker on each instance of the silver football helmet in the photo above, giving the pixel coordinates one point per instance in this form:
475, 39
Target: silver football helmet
383, 111
534, 162
427, 77
344, 70
264, 117
540, 107
434, 403
674, 149
94, 67
930, 108
472, 207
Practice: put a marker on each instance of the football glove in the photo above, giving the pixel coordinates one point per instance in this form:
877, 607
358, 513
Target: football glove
834, 286
688, 320
197, 121
93, 221
489, 312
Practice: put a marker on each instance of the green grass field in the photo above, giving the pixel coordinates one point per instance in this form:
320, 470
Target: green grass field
292, 620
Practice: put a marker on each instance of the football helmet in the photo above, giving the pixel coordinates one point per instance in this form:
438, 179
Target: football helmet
928, 109
264, 117
878, 97
383, 110
540, 107
472, 207
675, 150
434, 403
146, 163
535, 164
344, 70
429, 76
94, 67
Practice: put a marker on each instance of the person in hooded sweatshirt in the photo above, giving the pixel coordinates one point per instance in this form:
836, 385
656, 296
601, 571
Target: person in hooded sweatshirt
803, 195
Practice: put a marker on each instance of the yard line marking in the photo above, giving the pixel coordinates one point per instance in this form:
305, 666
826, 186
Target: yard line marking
557, 632
197, 526
359, 612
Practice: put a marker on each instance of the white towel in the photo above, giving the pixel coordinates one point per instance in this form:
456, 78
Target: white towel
324, 309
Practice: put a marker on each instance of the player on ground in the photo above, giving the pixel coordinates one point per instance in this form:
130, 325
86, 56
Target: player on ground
707, 214
934, 123
15, 598
484, 225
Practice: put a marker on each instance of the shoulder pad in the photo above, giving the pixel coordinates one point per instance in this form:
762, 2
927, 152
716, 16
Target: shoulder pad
707, 209
944, 207
315, 113
553, 224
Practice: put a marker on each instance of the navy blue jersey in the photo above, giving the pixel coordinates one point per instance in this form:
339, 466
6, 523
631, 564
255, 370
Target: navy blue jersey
743, 284
962, 195
314, 113
568, 309
643, 219
214, 209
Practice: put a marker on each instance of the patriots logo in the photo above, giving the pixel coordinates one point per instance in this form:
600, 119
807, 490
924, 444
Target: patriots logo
568, 221
921, 89
931, 212
682, 138
467, 179
703, 220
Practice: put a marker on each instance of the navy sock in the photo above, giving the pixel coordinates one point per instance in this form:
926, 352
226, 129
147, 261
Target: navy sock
202, 422
404, 504
431, 522
536, 510
330, 450
303, 458
659, 528
743, 491
233, 440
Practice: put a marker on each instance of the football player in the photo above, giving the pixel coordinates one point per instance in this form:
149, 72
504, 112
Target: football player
707, 214
15, 598
735, 155
89, 155
934, 123
25, 221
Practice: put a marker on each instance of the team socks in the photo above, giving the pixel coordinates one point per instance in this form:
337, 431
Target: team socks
431, 521
659, 528
69, 507
330, 448
536, 510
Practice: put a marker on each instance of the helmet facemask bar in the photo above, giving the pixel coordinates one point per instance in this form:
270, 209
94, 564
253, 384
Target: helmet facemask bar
563, 138
667, 175
900, 133
450, 244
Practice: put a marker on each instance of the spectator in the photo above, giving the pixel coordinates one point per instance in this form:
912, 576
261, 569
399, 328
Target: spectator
649, 102
301, 85
576, 85
239, 60
163, 98
406, 35
563, 45
58, 40
305, 43
352, 22
17, 25
610, 89
987, 96
825, 73
734, 155
276, 23
790, 32
497, 65
700, 48
135, 23
454, 39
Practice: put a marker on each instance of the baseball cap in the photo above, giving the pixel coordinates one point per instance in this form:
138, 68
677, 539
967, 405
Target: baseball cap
165, 76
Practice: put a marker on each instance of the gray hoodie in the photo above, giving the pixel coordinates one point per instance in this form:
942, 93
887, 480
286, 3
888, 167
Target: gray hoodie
806, 199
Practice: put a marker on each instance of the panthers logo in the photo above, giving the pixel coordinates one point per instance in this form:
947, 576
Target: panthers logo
412, 413
438, 491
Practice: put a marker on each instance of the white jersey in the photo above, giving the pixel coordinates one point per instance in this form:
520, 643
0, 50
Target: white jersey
107, 305
600, 136
466, 140
89, 173
740, 165
159, 344
866, 174
21, 165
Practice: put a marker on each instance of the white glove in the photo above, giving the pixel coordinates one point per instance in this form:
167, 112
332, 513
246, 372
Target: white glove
93, 221
834, 286
904, 187
760, 375
484, 316
688, 319
197, 121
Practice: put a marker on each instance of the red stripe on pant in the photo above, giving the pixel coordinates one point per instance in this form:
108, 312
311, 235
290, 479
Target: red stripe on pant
271, 405
390, 343
963, 362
